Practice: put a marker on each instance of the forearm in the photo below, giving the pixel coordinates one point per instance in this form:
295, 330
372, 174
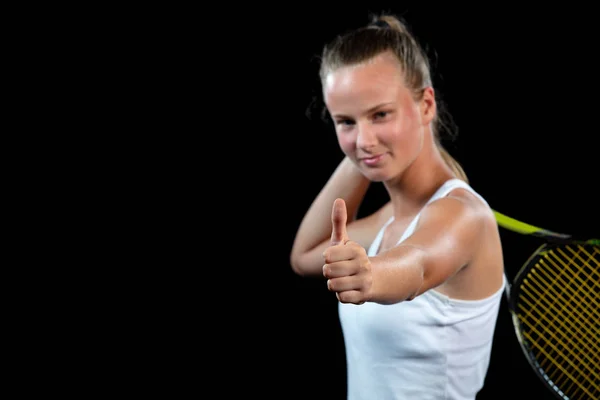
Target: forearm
314, 232
397, 275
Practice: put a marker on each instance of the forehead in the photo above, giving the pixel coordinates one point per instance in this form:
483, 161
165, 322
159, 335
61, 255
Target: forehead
379, 79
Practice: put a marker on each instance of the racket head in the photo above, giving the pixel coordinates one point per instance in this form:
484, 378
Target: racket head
554, 303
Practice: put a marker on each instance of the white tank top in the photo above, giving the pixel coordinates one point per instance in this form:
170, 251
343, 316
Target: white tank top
431, 348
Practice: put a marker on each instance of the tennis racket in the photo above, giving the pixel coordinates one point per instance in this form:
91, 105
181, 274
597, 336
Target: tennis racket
555, 305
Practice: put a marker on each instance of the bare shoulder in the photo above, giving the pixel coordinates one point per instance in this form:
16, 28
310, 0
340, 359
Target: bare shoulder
460, 207
459, 220
474, 209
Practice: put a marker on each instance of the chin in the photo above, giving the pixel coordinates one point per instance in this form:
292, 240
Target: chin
383, 174
376, 175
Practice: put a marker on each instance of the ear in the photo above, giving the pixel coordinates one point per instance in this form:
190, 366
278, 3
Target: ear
428, 105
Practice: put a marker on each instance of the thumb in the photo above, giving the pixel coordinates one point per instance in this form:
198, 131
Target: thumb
339, 216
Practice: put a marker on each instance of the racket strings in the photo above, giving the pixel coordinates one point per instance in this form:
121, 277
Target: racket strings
558, 313
571, 328
571, 288
582, 327
575, 282
587, 304
552, 357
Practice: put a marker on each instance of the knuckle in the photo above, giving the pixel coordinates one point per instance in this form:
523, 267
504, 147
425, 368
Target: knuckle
345, 297
328, 271
365, 264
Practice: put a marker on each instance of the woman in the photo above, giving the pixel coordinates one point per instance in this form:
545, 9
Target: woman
420, 280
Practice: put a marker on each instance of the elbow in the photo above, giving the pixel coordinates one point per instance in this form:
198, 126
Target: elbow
415, 272
419, 282
299, 271
420, 275
300, 266
296, 265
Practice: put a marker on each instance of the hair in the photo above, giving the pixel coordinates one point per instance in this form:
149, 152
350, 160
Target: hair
388, 33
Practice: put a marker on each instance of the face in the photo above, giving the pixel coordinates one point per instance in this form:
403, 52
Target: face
378, 123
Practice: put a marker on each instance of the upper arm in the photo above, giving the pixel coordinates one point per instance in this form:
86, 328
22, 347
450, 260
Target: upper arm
447, 235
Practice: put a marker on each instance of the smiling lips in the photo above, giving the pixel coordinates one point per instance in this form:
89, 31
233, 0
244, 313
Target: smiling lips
373, 160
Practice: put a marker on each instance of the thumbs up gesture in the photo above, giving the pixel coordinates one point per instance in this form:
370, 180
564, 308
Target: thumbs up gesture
347, 265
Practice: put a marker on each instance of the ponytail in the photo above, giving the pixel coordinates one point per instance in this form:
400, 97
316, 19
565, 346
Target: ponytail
452, 163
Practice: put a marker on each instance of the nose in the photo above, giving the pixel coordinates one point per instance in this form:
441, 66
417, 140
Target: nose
366, 137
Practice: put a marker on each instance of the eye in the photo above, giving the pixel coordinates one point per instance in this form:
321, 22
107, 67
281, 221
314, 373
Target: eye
380, 114
345, 122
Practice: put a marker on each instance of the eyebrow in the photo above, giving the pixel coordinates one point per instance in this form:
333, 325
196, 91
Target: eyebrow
370, 110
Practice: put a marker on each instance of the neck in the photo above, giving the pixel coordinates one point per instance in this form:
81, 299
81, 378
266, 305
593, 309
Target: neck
414, 187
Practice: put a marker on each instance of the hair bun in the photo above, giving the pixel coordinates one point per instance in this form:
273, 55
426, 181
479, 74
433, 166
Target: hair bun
381, 24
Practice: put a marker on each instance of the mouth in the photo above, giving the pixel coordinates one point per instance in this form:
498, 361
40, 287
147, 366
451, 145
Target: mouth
372, 160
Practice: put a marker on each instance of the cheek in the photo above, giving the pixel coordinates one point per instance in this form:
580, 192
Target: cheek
406, 144
346, 141
406, 134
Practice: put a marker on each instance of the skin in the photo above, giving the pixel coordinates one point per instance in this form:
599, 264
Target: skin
387, 136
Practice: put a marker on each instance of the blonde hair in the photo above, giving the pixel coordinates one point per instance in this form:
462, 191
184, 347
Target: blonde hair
387, 33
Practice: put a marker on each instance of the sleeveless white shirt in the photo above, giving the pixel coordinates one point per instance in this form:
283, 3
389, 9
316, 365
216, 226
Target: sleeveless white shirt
431, 348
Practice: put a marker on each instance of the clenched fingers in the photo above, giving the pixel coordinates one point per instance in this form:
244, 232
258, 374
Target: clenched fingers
346, 283
341, 268
351, 296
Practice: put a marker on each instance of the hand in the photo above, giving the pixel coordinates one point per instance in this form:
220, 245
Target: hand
347, 265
